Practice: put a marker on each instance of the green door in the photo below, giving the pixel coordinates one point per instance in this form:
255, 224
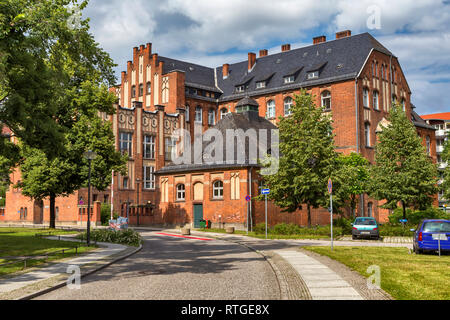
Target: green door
198, 215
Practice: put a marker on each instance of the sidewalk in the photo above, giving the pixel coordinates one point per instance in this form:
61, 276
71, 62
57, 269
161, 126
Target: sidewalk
42, 278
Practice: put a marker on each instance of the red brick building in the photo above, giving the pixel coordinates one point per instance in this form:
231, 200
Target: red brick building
354, 77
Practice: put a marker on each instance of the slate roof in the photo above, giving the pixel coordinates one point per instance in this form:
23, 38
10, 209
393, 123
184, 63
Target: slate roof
245, 121
338, 60
419, 122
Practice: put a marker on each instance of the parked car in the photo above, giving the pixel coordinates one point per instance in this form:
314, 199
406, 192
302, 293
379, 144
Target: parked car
365, 227
426, 236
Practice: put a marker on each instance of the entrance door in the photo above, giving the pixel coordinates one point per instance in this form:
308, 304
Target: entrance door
38, 212
198, 214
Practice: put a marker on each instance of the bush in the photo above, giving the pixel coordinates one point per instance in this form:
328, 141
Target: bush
414, 217
389, 230
126, 237
260, 228
345, 225
286, 229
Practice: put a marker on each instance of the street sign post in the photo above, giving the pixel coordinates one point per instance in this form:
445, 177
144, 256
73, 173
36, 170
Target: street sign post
265, 192
330, 191
248, 198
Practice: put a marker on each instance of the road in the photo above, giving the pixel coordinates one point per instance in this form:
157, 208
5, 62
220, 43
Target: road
172, 268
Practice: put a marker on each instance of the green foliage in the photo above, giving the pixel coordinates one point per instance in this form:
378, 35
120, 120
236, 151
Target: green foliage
344, 224
293, 229
350, 179
105, 214
127, 237
388, 230
307, 158
414, 217
446, 158
260, 228
403, 172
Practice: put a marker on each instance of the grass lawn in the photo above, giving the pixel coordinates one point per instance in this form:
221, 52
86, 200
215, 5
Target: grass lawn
20, 242
270, 236
404, 276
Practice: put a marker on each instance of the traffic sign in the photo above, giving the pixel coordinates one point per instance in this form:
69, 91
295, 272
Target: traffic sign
248, 198
403, 220
265, 191
330, 186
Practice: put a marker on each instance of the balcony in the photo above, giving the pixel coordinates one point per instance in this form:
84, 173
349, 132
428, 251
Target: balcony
442, 165
440, 133
439, 149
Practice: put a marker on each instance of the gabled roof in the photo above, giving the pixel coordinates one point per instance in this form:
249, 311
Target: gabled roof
437, 116
339, 59
419, 122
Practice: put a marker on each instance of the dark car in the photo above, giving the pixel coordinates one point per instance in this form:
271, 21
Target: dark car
427, 235
365, 228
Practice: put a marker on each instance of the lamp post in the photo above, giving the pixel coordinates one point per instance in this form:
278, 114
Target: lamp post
137, 200
89, 155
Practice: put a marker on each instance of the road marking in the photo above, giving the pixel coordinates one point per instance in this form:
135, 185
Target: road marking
186, 237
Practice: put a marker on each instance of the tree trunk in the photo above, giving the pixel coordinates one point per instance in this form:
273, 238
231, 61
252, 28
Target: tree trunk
353, 206
52, 211
404, 209
309, 216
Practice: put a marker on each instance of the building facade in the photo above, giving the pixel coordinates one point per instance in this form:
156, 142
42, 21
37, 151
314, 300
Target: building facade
441, 122
355, 78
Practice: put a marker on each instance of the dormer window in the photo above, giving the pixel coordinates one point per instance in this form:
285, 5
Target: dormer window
289, 79
260, 84
313, 75
240, 88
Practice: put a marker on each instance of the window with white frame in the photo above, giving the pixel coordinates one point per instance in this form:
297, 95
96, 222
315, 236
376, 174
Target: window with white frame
289, 79
125, 142
313, 75
149, 87
376, 100
218, 190
366, 97
428, 145
170, 148
288, 103
125, 182
198, 115
404, 104
223, 112
240, 88
367, 133
149, 147
270, 109
181, 192
211, 117
260, 84
326, 100
149, 178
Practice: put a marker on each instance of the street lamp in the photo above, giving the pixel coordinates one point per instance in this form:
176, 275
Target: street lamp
89, 155
137, 200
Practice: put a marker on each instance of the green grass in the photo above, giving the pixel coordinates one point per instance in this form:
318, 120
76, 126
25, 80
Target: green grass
271, 236
21, 242
404, 276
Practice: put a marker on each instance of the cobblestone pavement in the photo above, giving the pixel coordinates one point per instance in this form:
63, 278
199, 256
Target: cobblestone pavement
174, 268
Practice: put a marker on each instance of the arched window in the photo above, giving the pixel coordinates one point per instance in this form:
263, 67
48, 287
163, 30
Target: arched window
326, 100
288, 102
187, 113
428, 145
218, 190
211, 117
367, 133
198, 114
181, 192
133, 92
223, 112
404, 104
366, 97
270, 109
376, 100
141, 90
149, 87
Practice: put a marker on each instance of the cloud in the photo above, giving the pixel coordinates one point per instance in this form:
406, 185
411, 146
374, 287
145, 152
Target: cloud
223, 31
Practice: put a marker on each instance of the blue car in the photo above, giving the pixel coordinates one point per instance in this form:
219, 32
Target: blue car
426, 237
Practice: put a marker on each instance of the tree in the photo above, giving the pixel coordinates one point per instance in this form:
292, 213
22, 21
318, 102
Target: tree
445, 187
403, 172
307, 158
352, 175
63, 175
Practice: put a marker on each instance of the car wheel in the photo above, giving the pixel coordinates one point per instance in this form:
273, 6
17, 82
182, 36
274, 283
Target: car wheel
417, 250
354, 237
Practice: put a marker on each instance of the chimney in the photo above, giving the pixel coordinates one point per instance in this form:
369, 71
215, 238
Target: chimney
251, 60
226, 70
263, 53
320, 39
285, 47
343, 34
141, 48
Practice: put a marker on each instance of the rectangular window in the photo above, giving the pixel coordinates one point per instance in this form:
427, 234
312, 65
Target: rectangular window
240, 89
260, 84
198, 115
313, 75
169, 146
149, 178
125, 183
376, 102
366, 98
211, 118
367, 134
125, 142
149, 147
289, 79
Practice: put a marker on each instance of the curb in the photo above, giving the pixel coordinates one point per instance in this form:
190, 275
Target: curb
63, 283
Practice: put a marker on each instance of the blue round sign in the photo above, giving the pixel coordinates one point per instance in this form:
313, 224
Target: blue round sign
248, 198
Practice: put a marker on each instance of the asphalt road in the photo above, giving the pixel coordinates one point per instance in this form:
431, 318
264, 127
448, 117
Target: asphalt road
171, 268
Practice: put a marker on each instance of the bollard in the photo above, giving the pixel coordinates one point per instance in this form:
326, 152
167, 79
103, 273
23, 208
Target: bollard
24, 264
